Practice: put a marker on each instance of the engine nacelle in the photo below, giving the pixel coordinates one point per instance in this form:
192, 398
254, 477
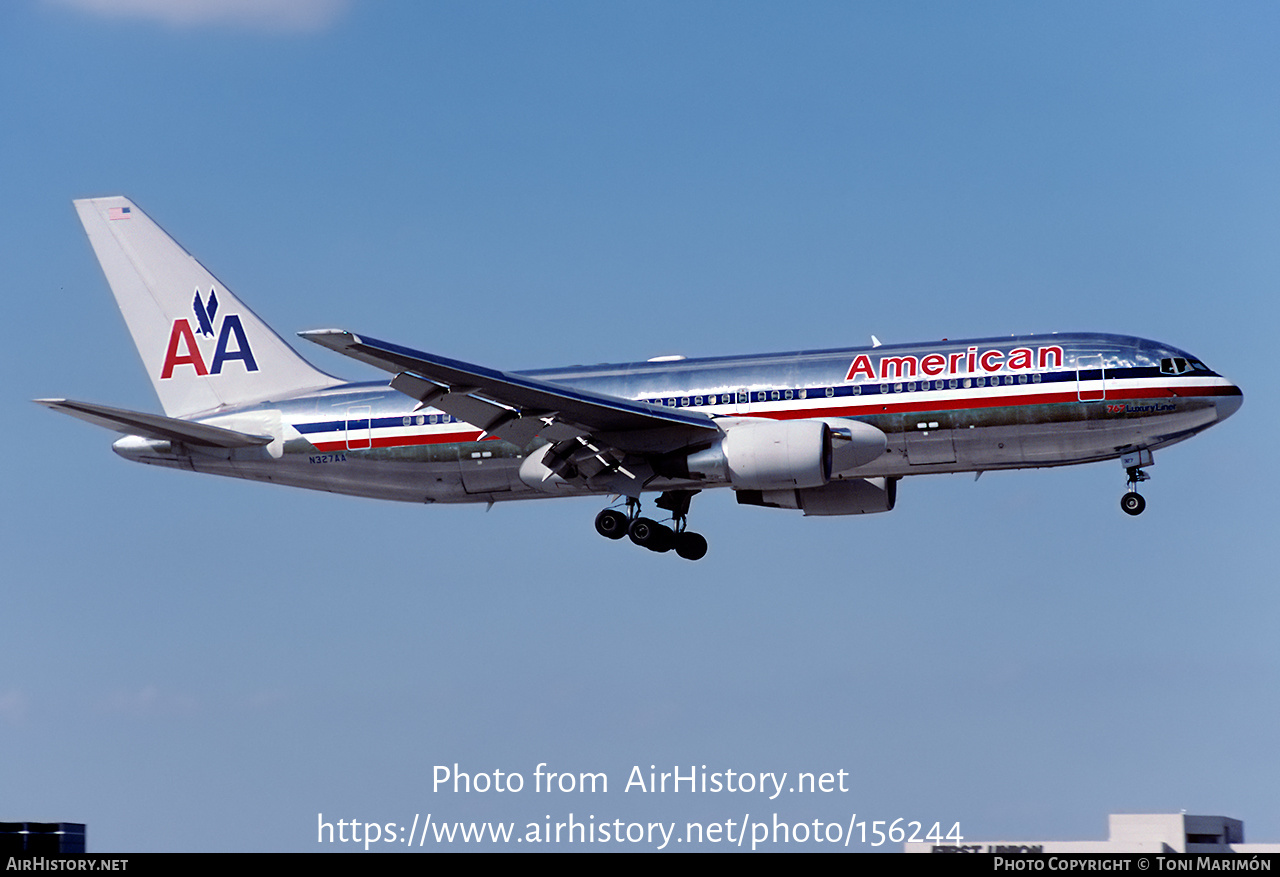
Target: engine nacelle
764, 454
785, 454
860, 496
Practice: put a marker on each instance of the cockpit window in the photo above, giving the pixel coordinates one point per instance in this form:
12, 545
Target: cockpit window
1178, 365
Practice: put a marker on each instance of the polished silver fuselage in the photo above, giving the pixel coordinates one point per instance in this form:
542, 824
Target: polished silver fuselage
950, 406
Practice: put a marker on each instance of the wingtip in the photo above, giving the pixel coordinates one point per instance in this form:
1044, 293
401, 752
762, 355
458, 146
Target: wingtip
329, 337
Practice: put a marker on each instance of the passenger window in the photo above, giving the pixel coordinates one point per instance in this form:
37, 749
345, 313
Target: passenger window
831, 391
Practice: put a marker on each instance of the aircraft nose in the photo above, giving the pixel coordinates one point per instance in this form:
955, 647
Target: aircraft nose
1229, 403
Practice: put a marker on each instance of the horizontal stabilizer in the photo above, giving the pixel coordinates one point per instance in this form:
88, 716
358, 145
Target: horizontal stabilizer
154, 426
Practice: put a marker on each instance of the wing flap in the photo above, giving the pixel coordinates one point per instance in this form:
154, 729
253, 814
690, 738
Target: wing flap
155, 426
516, 426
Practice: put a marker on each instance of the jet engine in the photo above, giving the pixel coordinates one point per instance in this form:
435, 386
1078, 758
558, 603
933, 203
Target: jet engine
788, 454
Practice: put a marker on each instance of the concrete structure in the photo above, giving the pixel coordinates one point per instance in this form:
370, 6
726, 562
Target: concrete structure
41, 837
1129, 833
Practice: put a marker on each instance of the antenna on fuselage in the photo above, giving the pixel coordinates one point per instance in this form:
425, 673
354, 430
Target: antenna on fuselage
875, 342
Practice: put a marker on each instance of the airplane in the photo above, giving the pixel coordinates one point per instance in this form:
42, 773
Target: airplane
826, 432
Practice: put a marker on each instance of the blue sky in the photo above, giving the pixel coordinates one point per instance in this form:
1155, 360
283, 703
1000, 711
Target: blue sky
190, 664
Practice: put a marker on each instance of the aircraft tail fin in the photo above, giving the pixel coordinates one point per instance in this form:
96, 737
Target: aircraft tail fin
202, 347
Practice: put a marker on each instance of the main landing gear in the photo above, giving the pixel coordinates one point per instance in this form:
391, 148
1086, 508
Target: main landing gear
1132, 502
647, 533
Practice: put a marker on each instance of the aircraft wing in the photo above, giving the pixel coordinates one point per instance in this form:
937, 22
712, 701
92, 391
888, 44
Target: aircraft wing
516, 407
155, 426
610, 441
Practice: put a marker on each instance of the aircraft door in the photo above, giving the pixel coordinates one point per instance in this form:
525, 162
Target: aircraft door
359, 428
928, 442
482, 472
1091, 379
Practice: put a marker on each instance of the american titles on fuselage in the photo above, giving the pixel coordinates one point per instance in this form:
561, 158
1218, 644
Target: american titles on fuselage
899, 366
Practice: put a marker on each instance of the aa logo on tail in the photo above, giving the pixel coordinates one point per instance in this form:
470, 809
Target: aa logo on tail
232, 342
205, 315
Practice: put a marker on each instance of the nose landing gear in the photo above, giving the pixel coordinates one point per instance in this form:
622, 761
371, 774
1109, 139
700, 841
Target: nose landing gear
647, 533
1132, 502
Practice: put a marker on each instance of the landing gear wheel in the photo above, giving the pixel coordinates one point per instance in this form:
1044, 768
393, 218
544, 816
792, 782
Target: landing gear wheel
1132, 503
691, 546
611, 524
650, 534
666, 539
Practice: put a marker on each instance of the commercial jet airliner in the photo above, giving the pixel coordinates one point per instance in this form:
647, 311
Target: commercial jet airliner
828, 432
